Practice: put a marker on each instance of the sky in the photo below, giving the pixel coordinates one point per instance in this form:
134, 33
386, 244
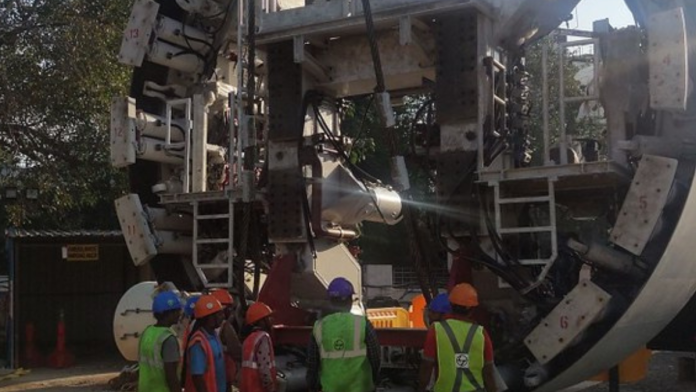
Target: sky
590, 10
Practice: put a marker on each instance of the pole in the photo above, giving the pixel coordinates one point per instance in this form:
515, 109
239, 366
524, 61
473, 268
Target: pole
614, 379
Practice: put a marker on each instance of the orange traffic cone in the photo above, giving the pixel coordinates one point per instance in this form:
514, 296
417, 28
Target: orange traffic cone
61, 357
32, 356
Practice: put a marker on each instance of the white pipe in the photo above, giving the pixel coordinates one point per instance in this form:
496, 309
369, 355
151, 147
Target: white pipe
156, 127
175, 57
154, 150
171, 30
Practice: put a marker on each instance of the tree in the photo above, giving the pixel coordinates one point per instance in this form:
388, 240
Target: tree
58, 73
579, 128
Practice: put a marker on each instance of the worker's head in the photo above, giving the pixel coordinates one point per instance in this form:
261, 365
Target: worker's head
166, 308
225, 299
341, 293
463, 298
190, 305
438, 308
208, 312
259, 315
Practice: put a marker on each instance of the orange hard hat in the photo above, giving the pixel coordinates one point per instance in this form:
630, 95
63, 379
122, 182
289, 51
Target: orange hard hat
465, 295
206, 306
223, 296
257, 311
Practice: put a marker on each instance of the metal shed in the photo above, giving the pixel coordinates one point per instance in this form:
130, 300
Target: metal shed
79, 274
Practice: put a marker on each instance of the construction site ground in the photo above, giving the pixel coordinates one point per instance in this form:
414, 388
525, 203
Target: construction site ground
94, 376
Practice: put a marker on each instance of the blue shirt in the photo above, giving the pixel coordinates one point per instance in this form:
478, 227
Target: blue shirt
199, 361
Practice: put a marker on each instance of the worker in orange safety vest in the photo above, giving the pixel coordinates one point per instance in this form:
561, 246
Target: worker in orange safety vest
231, 346
258, 358
204, 365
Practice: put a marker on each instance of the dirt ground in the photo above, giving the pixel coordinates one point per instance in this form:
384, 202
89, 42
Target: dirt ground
87, 377
94, 376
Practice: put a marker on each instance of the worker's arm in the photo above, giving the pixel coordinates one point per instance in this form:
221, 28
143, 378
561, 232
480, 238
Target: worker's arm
231, 341
171, 357
199, 383
313, 365
489, 378
373, 350
425, 373
489, 364
170, 373
197, 367
428, 363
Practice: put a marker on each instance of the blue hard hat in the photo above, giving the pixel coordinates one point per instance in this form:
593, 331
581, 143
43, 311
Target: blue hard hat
190, 305
440, 304
166, 301
340, 288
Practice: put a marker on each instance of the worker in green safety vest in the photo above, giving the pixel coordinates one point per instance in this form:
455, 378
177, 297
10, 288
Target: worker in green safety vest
458, 350
343, 354
158, 351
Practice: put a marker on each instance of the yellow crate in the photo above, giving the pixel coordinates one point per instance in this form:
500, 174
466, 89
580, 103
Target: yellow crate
388, 317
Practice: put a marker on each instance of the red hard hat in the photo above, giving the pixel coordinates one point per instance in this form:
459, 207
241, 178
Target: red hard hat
465, 295
206, 306
257, 311
223, 296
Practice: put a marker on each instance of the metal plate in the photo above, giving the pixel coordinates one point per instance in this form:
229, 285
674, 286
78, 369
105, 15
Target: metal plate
285, 117
567, 321
122, 132
139, 238
136, 37
456, 85
133, 313
644, 202
666, 292
668, 54
286, 221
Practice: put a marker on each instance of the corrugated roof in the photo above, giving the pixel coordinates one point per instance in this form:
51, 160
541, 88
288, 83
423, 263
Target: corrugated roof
25, 233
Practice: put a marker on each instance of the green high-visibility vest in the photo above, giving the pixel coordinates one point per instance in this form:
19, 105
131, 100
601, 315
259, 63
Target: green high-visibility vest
460, 361
344, 363
151, 376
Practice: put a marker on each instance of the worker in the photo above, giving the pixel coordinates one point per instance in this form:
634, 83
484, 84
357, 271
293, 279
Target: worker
258, 358
204, 367
158, 351
231, 346
438, 308
188, 320
343, 353
457, 349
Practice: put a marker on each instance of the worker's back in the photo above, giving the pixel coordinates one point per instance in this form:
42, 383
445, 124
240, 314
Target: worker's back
460, 356
344, 363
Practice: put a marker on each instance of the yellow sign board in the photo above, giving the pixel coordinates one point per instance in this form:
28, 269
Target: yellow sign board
83, 252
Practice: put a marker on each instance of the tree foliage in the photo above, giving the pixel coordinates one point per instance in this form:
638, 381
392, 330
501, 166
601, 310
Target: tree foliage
577, 127
58, 73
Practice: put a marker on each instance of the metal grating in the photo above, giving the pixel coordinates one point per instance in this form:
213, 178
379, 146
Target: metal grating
405, 276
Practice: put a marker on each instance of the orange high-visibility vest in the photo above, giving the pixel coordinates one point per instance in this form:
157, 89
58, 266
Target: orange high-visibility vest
251, 379
209, 376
